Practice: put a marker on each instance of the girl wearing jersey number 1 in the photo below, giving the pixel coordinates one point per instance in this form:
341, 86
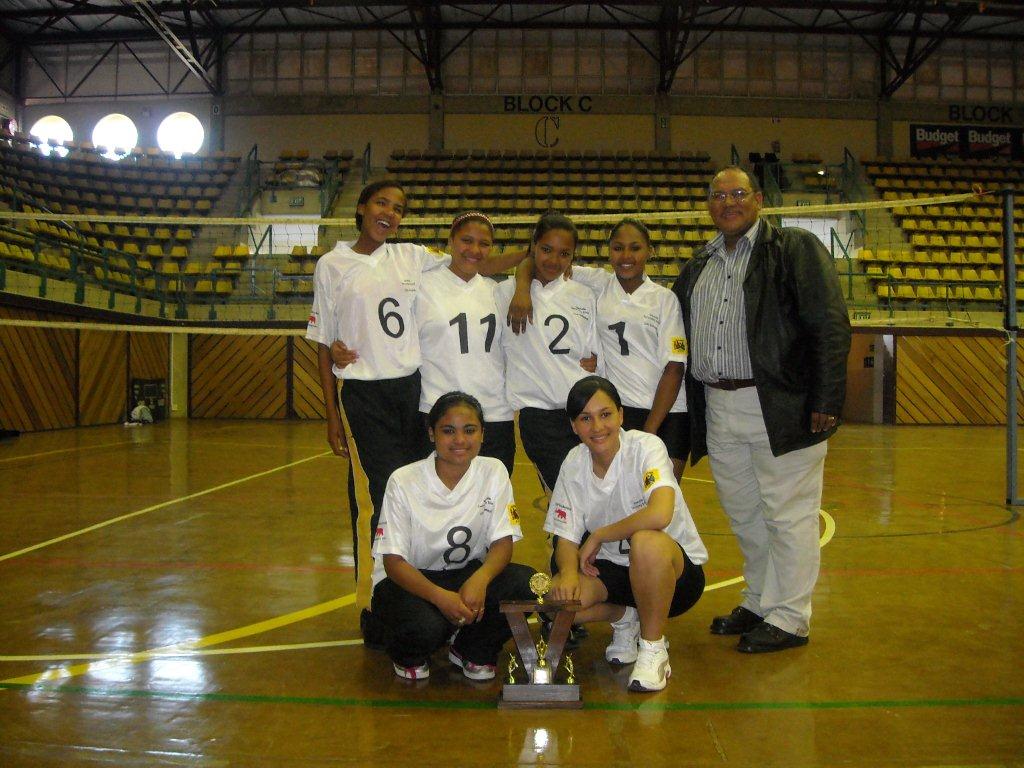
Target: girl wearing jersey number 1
558, 349
443, 550
460, 331
626, 546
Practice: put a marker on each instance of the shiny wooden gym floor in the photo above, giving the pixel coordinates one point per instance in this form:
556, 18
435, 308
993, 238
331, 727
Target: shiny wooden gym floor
181, 594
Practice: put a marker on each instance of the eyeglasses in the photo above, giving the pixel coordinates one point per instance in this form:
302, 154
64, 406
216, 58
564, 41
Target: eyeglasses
736, 195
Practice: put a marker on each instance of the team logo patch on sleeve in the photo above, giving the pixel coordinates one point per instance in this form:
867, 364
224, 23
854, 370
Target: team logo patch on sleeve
312, 320
513, 514
561, 514
678, 345
651, 476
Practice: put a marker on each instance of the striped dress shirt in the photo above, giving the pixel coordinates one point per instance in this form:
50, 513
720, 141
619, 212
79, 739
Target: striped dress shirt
718, 349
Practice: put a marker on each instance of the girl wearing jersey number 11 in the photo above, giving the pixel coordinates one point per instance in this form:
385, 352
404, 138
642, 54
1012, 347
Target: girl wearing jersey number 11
460, 331
442, 555
626, 546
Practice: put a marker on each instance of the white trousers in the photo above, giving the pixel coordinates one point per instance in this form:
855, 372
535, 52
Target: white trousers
772, 503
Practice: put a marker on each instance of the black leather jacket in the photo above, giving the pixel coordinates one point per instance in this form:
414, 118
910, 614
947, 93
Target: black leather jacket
798, 332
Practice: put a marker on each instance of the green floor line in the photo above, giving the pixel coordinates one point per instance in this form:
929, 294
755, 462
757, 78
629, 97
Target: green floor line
409, 703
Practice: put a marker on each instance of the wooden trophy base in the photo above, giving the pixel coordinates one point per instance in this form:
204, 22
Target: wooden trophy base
551, 695
534, 696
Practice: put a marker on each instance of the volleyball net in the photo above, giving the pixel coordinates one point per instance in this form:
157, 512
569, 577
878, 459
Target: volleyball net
912, 255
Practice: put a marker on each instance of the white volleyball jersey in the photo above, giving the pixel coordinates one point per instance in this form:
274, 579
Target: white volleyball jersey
365, 301
640, 333
583, 502
436, 529
543, 362
460, 333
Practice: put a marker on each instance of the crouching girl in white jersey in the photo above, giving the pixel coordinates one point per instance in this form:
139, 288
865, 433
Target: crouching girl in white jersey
626, 545
460, 330
443, 549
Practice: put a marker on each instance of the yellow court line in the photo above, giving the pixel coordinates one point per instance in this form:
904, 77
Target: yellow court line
153, 508
193, 648
66, 450
63, 673
187, 653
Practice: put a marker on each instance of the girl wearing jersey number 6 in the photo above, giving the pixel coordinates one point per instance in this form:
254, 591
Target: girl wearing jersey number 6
626, 546
643, 343
549, 356
443, 550
460, 332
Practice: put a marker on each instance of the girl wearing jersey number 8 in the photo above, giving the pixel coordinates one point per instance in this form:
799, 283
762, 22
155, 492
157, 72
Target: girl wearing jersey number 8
460, 334
626, 546
443, 550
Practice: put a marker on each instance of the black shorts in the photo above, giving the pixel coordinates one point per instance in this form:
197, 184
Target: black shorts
674, 430
689, 586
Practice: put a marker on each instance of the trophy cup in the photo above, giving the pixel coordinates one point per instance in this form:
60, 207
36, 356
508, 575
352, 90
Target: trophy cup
540, 661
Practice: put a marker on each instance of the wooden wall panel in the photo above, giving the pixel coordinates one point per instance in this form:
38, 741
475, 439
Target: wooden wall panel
239, 377
307, 396
149, 355
952, 380
102, 377
37, 375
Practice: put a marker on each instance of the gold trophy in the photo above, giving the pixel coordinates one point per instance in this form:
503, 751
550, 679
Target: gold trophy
541, 660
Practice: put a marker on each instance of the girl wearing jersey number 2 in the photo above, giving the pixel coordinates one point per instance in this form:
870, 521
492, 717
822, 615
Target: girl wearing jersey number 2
626, 546
460, 331
443, 550
549, 356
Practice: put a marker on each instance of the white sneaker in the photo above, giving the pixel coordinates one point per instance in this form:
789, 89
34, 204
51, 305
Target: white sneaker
625, 634
422, 672
651, 671
470, 669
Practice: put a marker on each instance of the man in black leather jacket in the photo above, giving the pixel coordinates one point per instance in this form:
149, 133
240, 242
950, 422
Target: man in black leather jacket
765, 386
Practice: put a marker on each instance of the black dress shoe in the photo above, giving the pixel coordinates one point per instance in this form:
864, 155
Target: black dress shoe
736, 623
765, 638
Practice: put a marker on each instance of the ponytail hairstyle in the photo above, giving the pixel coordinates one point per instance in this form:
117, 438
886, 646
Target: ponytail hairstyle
554, 220
638, 225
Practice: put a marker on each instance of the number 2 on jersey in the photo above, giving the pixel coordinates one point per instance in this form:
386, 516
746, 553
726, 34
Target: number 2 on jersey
463, 325
553, 346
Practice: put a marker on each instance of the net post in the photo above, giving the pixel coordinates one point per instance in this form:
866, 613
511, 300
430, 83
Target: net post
1010, 326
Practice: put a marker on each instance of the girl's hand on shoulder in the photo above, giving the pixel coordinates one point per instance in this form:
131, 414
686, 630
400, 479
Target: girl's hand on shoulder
336, 437
565, 586
341, 355
454, 609
520, 311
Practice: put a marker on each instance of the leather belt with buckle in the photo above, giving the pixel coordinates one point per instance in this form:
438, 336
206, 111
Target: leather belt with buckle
730, 384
